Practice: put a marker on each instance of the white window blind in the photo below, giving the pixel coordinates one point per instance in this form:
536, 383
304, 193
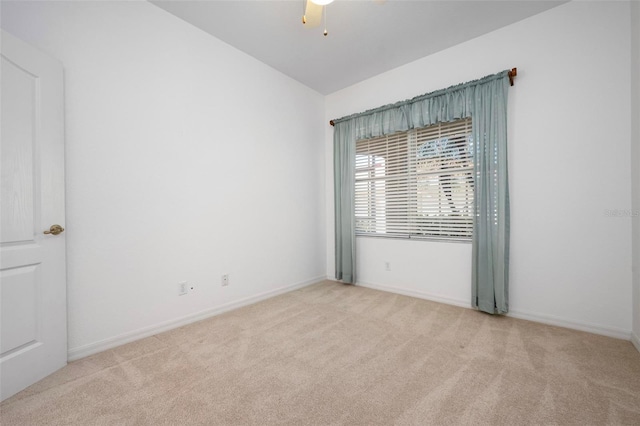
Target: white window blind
416, 184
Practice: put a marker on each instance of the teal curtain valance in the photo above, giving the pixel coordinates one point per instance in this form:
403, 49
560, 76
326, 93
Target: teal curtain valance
443, 105
485, 100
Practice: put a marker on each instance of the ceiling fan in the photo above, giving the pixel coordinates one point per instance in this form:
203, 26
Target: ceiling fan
313, 11
312, 15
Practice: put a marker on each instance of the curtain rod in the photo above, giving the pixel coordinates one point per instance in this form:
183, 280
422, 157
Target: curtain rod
512, 74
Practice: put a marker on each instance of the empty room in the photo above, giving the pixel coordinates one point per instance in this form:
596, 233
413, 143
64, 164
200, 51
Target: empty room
313, 212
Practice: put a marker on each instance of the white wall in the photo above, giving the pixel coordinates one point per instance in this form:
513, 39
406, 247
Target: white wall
635, 164
569, 142
185, 159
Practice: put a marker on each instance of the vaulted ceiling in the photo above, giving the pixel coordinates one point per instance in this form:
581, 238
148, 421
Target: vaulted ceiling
366, 37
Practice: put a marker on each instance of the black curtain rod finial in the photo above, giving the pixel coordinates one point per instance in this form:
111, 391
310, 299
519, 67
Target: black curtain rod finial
512, 74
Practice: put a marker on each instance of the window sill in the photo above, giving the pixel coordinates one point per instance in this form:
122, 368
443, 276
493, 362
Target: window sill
416, 238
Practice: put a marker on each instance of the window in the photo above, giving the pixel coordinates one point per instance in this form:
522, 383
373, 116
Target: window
416, 184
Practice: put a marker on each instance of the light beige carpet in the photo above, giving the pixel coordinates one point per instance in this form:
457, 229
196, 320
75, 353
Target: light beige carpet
332, 354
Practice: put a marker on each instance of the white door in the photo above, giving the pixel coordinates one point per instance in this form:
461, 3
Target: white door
33, 298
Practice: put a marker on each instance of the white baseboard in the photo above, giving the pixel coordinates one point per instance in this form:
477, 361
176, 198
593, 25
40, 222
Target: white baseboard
574, 325
112, 342
635, 340
418, 294
541, 318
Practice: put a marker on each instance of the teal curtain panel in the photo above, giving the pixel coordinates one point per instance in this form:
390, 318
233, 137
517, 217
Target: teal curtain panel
344, 163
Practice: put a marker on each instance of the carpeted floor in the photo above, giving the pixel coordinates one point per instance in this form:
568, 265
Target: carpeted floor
332, 354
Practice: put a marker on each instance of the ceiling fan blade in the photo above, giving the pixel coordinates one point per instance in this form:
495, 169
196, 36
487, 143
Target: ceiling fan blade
312, 14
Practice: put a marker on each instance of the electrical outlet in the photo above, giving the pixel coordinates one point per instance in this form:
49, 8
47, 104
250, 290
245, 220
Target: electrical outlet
387, 266
225, 280
183, 288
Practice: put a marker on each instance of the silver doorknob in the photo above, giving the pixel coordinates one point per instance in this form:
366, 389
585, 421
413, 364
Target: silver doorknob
55, 230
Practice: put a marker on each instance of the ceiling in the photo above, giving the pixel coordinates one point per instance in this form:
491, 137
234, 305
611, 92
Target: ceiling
366, 37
